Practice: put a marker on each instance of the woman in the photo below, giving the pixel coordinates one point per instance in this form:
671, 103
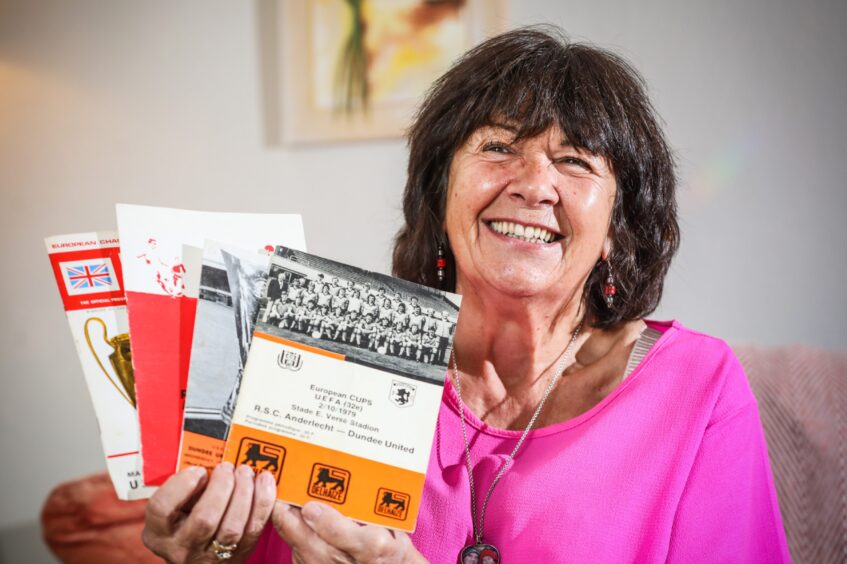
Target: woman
538, 170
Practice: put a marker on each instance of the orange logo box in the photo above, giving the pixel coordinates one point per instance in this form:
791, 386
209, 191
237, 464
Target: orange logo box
329, 483
261, 455
391, 503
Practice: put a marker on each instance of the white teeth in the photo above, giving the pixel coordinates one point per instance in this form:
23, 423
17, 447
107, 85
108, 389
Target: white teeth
523, 232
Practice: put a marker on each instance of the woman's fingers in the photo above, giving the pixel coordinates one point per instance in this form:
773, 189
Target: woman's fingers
193, 507
306, 545
206, 515
165, 505
164, 510
264, 495
319, 533
363, 543
237, 513
332, 527
291, 527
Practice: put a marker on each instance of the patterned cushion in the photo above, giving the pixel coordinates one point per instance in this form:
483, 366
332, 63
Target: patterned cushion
802, 395
83, 522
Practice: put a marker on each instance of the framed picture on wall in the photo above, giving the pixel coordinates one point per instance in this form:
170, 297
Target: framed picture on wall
356, 69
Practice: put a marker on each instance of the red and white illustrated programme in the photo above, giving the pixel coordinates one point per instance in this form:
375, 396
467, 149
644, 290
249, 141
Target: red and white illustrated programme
162, 251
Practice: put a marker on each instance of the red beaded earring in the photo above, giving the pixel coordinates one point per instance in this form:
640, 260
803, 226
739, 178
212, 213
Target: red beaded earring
609, 288
440, 263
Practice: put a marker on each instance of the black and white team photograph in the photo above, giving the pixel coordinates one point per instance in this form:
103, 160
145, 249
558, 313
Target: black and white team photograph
370, 318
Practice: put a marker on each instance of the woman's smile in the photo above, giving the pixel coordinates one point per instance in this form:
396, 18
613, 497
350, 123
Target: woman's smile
530, 233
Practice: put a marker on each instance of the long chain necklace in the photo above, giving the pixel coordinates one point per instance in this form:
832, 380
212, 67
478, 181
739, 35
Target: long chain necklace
480, 548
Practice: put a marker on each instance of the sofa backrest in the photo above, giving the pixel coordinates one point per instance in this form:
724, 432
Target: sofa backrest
802, 396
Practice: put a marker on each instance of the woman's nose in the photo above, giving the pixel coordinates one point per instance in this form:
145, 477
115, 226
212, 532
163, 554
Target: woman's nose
534, 184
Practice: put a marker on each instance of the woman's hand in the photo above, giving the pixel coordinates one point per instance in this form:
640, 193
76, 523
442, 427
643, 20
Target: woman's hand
192, 509
318, 533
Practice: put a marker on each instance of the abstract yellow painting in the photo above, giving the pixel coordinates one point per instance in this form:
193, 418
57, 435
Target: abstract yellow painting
356, 69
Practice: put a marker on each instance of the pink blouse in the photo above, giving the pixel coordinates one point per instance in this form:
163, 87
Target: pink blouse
671, 466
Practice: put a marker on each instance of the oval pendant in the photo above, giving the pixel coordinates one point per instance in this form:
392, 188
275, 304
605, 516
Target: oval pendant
479, 554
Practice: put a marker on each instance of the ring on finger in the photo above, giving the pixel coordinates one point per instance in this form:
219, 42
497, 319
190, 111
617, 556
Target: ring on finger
223, 551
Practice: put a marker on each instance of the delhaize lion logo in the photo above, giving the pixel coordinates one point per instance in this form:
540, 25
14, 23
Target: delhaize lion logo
329, 483
391, 503
261, 456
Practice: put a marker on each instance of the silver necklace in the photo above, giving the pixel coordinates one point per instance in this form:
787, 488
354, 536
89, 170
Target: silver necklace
480, 548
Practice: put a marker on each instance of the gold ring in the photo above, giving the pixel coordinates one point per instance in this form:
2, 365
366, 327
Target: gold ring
223, 551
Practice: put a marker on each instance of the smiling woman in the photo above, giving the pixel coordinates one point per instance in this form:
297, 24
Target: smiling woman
599, 124
572, 429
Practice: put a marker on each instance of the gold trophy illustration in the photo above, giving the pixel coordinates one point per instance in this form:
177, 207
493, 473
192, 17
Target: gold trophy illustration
120, 359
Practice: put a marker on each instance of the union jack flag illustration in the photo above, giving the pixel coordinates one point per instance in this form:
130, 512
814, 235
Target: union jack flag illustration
89, 276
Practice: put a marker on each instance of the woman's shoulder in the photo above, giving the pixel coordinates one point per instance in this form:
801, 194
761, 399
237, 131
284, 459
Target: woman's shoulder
702, 365
690, 345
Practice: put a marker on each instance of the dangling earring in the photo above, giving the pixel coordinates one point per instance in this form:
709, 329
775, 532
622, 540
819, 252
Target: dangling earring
609, 289
440, 263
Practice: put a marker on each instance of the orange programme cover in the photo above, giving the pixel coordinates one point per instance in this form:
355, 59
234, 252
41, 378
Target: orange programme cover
161, 252
232, 281
342, 387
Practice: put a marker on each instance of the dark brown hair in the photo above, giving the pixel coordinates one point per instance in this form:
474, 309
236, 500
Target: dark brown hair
536, 78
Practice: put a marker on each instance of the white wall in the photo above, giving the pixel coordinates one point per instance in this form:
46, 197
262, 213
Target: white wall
168, 103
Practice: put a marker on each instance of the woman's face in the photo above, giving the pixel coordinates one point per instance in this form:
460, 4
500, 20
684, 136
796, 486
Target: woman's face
498, 188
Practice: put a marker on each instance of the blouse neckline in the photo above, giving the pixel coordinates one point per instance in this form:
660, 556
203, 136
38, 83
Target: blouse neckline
651, 340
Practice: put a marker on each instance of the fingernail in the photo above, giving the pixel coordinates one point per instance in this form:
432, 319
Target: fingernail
278, 515
266, 480
197, 471
245, 470
226, 466
311, 511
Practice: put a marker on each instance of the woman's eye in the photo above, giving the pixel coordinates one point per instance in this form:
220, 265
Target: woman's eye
576, 161
496, 147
